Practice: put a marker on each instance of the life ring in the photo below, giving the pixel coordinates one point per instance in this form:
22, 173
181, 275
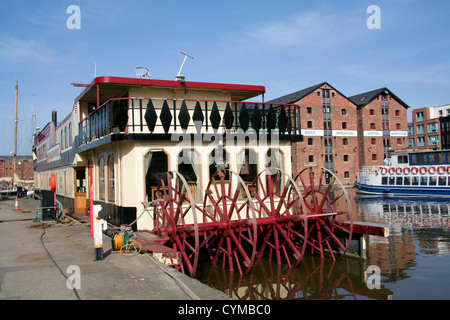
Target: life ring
383, 171
448, 169
441, 170
391, 171
414, 170
423, 170
398, 171
406, 170
432, 170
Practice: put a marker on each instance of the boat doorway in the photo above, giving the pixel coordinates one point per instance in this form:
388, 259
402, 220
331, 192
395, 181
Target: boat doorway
80, 187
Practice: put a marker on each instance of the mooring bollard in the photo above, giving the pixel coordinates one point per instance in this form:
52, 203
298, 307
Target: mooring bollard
99, 226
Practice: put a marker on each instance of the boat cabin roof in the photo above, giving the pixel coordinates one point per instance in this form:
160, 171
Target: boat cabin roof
108, 87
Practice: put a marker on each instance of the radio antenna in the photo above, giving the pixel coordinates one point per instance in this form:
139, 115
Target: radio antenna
179, 76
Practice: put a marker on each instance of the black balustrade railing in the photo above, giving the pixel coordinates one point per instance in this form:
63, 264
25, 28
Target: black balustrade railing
160, 117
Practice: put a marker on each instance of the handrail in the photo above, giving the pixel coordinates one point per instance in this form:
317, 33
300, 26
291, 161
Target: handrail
145, 115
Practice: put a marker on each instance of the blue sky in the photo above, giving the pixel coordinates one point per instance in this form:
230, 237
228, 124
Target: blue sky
284, 45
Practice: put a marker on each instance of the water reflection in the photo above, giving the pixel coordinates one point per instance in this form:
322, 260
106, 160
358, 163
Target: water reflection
313, 279
419, 233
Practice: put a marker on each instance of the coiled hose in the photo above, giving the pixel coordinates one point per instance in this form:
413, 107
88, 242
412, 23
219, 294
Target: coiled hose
124, 244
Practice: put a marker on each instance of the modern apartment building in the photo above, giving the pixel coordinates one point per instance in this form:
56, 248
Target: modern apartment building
424, 132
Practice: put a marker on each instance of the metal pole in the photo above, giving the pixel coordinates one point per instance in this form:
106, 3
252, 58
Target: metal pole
99, 225
184, 60
15, 135
91, 198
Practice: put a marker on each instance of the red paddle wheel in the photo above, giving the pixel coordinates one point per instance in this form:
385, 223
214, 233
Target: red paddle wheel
326, 199
276, 217
229, 226
176, 218
282, 227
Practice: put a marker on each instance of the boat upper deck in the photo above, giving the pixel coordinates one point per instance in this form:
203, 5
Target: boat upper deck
114, 109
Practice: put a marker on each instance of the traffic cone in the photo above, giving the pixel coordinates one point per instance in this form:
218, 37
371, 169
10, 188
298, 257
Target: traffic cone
16, 205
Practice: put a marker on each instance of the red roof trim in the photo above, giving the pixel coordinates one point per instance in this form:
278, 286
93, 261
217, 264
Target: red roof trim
173, 84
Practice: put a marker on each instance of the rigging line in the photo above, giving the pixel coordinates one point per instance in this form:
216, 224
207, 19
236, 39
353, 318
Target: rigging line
54, 262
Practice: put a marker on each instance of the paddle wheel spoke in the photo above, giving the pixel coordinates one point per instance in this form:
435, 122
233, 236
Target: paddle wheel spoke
281, 222
231, 235
326, 199
176, 215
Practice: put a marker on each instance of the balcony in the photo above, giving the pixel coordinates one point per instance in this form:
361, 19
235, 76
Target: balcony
159, 119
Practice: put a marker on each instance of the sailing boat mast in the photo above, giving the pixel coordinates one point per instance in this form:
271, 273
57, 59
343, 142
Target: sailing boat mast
15, 134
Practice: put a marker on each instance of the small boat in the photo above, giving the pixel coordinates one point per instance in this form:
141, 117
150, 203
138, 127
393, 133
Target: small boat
420, 173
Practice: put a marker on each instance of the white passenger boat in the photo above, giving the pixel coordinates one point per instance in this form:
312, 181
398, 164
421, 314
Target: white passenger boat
425, 173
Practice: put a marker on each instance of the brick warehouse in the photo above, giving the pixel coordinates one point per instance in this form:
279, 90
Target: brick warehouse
382, 125
329, 131
343, 134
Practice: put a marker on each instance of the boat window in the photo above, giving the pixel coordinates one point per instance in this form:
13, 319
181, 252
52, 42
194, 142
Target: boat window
423, 181
433, 158
384, 181
274, 158
415, 181
399, 181
110, 170
219, 160
442, 181
247, 165
419, 158
156, 164
391, 181
407, 181
101, 176
433, 180
189, 166
402, 159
